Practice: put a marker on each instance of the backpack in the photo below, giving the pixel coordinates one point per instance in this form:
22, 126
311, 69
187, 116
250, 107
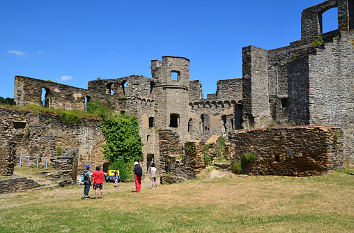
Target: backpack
85, 177
139, 171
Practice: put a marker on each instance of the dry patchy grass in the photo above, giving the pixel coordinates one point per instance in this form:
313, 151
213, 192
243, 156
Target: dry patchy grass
229, 204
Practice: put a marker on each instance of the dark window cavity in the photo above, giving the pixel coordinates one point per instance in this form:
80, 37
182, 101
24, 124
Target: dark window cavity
124, 85
110, 88
190, 125
152, 85
174, 120
151, 122
284, 102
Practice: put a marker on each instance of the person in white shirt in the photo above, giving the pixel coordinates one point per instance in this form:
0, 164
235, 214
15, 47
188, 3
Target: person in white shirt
153, 172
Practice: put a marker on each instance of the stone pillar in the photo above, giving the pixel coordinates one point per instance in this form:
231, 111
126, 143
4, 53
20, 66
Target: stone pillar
255, 91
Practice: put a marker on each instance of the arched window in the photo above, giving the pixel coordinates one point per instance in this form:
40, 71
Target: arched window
110, 88
124, 85
45, 97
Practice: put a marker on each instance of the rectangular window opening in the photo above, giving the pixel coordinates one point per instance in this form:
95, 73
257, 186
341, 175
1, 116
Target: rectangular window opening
174, 120
175, 75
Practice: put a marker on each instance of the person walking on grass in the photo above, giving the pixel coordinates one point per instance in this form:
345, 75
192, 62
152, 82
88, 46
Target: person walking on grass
116, 178
87, 180
138, 172
98, 178
152, 172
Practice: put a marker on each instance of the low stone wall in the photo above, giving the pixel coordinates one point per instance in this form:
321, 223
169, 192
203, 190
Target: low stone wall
16, 184
292, 151
177, 161
66, 166
45, 135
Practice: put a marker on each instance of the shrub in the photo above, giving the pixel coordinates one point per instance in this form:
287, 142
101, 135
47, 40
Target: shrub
206, 158
189, 148
123, 143
247, 159
125, 168
59, 151
318, 42
236, 167
221, 147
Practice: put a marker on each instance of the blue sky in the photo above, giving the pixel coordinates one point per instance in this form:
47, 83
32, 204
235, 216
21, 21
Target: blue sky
74, 41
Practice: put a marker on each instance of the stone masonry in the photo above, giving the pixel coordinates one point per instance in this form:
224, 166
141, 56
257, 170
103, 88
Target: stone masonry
43, 135
298, 83
290, 151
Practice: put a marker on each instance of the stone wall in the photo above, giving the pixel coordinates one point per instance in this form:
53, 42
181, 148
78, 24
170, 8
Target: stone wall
255, 83
331, 90
30, 91
42, 135
66, 166
230, 89
16, 184
294, 151
311, 20
178, 160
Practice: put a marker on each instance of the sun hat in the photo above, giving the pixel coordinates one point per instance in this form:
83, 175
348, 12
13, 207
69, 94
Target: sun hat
135, 163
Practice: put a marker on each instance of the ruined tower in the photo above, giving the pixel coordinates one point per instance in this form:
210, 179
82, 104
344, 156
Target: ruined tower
171, 83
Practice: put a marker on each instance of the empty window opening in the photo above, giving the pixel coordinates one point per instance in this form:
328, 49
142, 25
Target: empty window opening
87, 99
232, 123
151, 122
110, 88
205, 122
175, 75
152, 85
149, 161
124, 85
19, 124
122, 112
238, 116
277, 158
329, 20
147, 138
190, 125
223, 118
45, 97
174, 120
284, 102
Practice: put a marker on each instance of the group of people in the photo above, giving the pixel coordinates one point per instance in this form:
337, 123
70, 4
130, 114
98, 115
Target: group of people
96, 179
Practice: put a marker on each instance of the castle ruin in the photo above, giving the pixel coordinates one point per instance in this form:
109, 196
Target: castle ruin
299, 83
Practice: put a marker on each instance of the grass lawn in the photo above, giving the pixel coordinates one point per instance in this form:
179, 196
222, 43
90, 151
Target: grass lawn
228, 204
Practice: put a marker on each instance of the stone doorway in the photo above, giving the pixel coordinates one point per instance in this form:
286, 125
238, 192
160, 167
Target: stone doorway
149, 161
105, 167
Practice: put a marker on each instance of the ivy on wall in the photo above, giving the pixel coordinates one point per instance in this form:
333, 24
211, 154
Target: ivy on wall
123, 143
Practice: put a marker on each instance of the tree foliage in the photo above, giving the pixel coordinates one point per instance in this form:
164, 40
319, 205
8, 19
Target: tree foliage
8, 101
123, 143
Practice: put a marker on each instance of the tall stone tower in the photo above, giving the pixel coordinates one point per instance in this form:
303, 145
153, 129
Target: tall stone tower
170, 89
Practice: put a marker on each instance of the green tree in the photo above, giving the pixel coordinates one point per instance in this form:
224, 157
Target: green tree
123, 143
9, 101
